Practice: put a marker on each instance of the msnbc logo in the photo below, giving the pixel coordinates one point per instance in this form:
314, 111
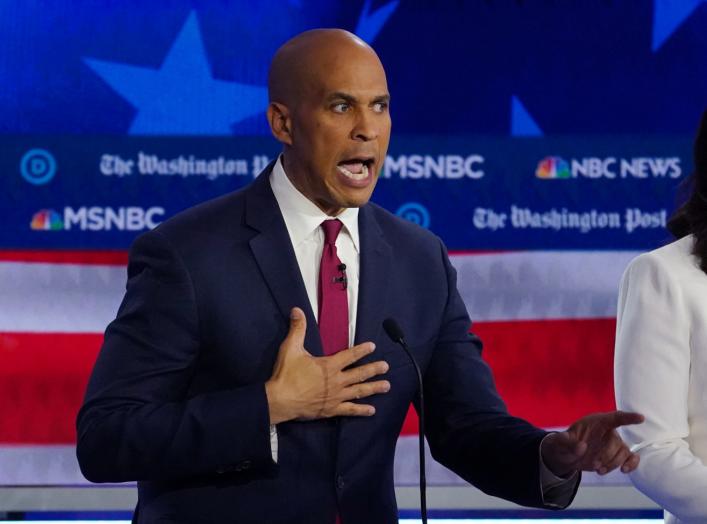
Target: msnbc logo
47, 220
553, 167
96, 218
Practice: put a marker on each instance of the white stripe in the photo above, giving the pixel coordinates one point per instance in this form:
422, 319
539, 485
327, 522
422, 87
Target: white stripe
59, 298
39, 465
530, 285
123, 497
537, 285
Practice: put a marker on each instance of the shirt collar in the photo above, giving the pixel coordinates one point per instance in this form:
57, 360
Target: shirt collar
302, 216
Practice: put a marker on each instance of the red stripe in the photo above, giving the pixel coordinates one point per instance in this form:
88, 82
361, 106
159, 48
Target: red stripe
117, 258
120, 257
42, 382
550, 372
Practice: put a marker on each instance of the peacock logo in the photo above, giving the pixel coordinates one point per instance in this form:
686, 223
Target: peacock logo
553, 167
47, 220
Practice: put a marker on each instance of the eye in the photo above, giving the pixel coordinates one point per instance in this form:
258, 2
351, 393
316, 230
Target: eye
341, 107
380, 107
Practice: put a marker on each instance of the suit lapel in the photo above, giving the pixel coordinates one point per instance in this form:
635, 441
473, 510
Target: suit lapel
273, 252
376, 264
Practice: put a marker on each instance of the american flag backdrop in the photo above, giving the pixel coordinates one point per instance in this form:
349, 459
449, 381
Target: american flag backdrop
543, 142
548, 332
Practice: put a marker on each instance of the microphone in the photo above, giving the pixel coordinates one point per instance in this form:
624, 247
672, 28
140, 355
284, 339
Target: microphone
342, 279
395, 333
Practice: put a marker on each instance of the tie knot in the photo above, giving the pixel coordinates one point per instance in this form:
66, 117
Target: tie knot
331, 230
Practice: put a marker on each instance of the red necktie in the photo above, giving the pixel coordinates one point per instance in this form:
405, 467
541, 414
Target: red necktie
333, 301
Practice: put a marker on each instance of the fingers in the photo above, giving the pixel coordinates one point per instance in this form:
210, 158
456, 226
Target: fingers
610, 452
345, 358
613, 453
366, 389
351, 409
624, 459
625, 418
631, 463
621, 456
347, 408
323, 387
362, 373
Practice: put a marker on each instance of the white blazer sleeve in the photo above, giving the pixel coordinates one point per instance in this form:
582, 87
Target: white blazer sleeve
652, 372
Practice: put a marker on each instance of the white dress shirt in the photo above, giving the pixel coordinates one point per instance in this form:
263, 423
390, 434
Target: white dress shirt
660, 370
303, 218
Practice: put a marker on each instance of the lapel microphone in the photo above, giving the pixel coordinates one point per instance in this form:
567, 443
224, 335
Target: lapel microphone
395, 333
342, 279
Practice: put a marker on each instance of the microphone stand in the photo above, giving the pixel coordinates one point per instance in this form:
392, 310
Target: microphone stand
396, 335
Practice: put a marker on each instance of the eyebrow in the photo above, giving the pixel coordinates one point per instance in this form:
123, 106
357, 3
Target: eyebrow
340, 95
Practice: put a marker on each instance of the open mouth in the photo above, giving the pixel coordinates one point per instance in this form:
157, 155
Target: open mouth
356, 168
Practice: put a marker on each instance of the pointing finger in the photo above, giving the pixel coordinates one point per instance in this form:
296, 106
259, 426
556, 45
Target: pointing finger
625, 418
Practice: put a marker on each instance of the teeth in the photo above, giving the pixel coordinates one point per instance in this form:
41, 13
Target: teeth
355, 176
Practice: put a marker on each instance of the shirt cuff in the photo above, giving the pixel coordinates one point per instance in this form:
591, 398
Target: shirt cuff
273, 442
557, 492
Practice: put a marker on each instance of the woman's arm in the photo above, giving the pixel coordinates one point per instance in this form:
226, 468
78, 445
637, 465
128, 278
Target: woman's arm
652, 373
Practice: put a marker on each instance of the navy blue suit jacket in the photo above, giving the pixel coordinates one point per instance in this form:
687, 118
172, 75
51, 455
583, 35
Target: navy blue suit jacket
177, 402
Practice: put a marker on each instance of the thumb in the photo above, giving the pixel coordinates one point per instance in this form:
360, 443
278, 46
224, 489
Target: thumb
298, 329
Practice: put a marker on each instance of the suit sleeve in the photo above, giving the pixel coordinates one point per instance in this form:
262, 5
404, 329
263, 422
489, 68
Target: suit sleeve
469, 429
652, 375
138, 421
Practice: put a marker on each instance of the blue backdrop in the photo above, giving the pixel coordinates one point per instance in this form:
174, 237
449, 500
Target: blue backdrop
516, 124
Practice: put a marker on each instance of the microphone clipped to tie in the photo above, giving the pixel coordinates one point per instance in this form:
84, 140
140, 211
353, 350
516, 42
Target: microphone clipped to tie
341, 279
395, 332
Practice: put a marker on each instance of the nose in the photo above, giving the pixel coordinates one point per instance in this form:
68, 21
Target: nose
366, 127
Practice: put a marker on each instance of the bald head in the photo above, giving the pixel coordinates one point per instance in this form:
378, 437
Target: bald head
300, 64
329, 109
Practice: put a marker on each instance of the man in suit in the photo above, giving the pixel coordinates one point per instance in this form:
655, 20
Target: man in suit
247, 378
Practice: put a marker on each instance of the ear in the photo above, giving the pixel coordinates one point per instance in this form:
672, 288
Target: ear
280, 123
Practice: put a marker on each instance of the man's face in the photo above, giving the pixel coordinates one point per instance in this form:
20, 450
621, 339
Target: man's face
340, 130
